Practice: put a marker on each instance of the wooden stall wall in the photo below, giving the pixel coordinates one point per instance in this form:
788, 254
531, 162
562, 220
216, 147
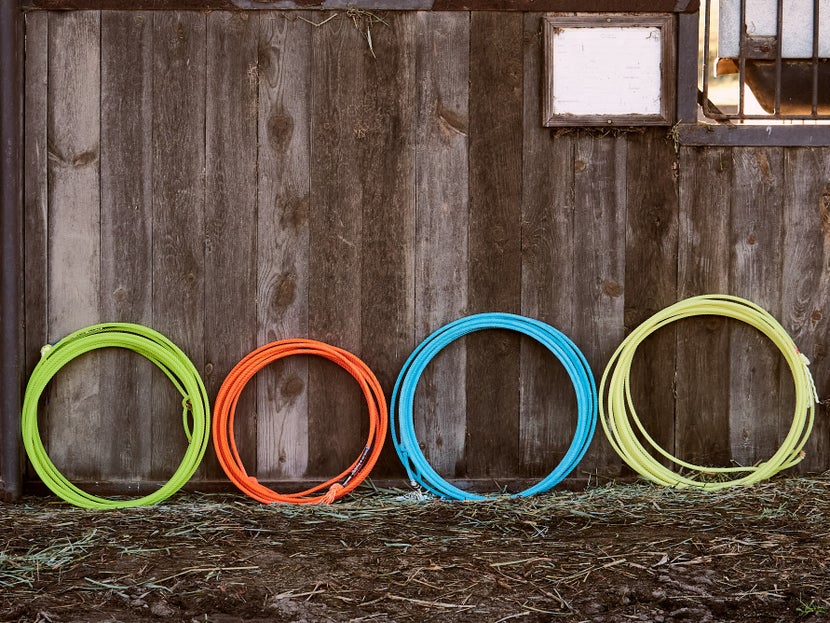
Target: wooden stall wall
235, 178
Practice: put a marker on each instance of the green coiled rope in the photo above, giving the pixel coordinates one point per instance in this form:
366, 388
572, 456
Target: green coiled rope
621, 425
164, 354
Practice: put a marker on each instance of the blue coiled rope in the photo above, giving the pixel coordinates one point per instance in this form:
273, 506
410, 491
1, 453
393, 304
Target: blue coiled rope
401, 420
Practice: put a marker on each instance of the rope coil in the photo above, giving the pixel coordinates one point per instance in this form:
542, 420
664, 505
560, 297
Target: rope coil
403, 428
160, 351
617, 408
225, 412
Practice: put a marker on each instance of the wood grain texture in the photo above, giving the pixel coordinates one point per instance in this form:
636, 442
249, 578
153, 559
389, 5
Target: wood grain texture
283, 240
651, 277
35, 197
388, 208
495, 156
73, 252
230, 237
178, 213
548, 409
805, 291
442, 49
702, 385
755, 274
261, 178
599, 266
126, 233
336, 243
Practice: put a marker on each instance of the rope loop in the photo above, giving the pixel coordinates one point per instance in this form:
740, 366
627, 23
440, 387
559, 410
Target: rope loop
403, 428
225, 412
164, 354
625, 431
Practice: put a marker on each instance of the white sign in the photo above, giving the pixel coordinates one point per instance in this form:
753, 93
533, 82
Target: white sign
614, 71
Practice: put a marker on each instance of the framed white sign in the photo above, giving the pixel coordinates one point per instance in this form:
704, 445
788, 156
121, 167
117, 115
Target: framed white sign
608, 69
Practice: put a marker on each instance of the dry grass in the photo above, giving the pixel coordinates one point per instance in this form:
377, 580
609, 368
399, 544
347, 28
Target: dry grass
611, 553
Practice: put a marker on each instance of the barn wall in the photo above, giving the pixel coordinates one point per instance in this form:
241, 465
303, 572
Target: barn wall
235, 178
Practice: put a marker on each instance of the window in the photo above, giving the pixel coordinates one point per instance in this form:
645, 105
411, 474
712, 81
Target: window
762, 73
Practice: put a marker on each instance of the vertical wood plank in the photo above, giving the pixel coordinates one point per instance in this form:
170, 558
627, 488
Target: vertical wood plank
73, 234
230, 216
442, 51
126, 232
35, 200
178, 212
388, 213
495, 156
651, 276
805, 292
339, 55
702, 386
548, 412
282, 240
599, 265
755, 274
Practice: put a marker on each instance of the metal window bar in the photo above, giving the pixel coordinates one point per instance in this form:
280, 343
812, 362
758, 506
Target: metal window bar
761, 56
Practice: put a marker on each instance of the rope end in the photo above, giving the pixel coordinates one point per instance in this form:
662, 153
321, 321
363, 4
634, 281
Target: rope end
334, 492
812, 381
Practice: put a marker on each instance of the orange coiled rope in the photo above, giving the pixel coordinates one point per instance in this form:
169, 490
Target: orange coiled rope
225, 408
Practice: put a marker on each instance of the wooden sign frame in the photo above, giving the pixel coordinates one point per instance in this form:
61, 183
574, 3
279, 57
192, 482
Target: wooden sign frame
660, 67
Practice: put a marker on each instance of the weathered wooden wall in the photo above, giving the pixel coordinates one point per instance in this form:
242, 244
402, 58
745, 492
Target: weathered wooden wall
235, 178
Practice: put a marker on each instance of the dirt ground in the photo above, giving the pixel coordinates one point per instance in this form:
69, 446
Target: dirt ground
613, 553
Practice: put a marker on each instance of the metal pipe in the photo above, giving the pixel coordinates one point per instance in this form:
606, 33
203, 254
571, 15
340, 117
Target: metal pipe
10, 247
814, 108
779, 61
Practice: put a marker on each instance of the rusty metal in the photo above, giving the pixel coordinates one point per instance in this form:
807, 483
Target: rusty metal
814, 107
10, 246
597, 6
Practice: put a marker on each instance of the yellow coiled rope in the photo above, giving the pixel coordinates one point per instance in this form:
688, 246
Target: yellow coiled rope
617, 413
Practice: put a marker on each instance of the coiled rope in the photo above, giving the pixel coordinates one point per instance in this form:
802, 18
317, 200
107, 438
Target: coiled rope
617, 411
164, 354
403, 428
225, 411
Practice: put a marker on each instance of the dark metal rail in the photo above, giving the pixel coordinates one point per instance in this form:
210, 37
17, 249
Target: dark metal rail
10, 210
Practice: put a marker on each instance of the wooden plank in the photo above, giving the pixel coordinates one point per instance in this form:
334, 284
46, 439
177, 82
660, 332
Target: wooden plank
599, 266
495, 156
757, 236
653, 6
282, 240
178, 213
73, 235
335, 230
651, 277
388, 214
805, 293
126, 233
548, 414
442, 51
231, 216
35, 199
702, 385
